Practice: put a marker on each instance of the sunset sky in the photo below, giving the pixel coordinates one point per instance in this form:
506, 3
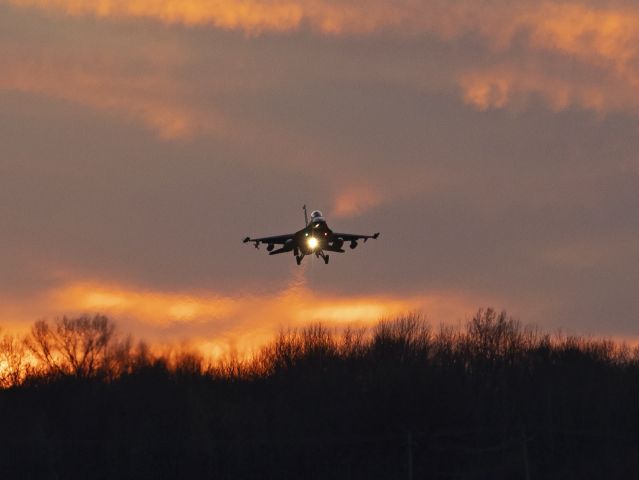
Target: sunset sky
494, 144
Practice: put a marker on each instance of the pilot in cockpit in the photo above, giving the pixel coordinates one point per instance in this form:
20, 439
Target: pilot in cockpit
317, 217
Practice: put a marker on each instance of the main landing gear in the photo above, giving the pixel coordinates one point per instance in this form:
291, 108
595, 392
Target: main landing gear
299, 258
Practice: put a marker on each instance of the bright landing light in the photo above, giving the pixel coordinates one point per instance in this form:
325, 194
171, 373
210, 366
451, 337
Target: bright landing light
312, 243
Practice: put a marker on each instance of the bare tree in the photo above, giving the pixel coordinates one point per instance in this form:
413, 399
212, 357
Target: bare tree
73, 346
492, 335
12, 361
406, 338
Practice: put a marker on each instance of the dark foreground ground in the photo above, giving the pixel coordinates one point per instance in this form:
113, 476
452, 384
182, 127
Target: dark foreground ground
492, 402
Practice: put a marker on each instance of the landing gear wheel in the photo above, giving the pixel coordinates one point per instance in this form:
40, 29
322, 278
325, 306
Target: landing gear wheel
298, 260
326, 259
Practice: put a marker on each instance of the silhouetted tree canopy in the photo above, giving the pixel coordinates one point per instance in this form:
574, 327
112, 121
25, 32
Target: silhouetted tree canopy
493, 400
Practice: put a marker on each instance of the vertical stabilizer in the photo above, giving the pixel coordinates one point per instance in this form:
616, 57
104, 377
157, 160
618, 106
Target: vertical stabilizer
305, 216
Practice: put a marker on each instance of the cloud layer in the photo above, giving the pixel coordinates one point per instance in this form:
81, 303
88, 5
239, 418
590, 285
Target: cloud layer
581, 54
493, 144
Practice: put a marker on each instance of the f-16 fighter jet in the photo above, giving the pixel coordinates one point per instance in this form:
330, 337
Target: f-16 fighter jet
315, 238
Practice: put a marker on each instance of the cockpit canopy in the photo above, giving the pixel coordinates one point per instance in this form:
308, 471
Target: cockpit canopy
316, 216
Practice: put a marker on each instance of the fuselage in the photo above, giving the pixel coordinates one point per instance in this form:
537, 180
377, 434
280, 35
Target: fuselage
314, 237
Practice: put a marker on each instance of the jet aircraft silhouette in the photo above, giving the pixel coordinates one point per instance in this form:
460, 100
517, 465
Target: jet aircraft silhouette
315, 238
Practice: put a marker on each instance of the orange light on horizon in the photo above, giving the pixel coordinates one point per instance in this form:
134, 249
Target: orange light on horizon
153, 307
236, 322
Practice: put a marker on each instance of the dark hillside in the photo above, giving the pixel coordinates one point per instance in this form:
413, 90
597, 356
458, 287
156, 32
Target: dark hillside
402, 401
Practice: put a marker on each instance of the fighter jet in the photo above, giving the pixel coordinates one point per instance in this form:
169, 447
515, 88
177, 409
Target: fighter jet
315, 238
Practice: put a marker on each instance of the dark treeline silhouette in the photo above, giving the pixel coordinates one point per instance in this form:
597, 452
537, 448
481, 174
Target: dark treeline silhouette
493, 400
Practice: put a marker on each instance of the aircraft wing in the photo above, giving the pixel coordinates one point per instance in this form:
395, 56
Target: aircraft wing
349, 237
274, 240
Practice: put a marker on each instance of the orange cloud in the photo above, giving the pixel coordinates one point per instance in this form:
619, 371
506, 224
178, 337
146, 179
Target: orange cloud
603, 43
579, 27
148, 97
251, 16
594, 34
602, 37
154, 307
510, 84
355, 200
522, 45
248, 15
